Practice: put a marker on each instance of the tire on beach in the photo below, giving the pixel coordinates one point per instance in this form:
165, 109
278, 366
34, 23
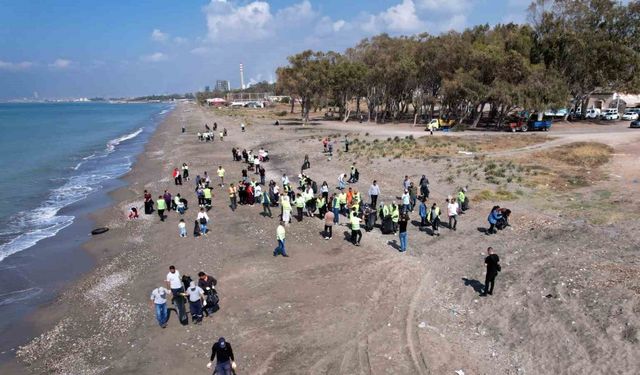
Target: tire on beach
99, 230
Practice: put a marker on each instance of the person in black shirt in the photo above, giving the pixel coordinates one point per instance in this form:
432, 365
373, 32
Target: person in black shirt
493, 267
404, 219
208, 284
226, 362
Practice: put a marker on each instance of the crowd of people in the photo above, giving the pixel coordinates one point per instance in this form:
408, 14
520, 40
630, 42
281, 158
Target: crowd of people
311, 200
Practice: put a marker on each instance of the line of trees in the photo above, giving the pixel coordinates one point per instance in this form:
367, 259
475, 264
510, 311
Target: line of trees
569, 49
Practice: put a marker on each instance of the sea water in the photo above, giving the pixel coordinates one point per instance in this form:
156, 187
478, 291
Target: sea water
55, 154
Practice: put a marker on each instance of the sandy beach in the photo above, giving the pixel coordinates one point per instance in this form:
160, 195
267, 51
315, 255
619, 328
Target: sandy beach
566, 302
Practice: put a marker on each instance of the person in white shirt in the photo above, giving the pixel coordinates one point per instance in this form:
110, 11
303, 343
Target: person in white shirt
196, 297
159, 302
256, 165
452, 210
406, 201
285, 180
183, 228
203, 220
374, 191
341, 182
174, 282
257, 192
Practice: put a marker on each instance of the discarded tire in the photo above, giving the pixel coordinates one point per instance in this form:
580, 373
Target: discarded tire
99, 231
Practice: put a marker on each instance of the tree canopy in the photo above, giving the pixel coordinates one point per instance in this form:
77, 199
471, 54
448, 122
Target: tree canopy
569, 49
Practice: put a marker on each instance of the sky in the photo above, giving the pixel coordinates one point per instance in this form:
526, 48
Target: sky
71, 48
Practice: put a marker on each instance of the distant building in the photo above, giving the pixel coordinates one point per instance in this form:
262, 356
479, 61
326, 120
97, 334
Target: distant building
207, 89
608, 99
223, 85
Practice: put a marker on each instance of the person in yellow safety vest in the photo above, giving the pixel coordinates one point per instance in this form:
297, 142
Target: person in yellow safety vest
434, 218
395, 216
343, 201
299, 202
384, 208
233, 197
286, 209
221, 175
161, 205
321, 205
461, 199
335, 207
207, 197
356, 234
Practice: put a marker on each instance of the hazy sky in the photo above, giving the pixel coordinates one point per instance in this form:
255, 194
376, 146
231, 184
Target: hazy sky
72, 48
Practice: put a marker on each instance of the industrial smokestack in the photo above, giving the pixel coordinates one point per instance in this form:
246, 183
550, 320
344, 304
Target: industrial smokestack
241, 77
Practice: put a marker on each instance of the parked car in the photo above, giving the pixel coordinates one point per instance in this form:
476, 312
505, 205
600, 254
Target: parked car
523, 125
592, 113
635, 124
610, 114
630, 115
556, 113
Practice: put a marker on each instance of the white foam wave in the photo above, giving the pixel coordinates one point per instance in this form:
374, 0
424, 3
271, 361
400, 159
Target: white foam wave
164, 111
19, 295
111, 145
43, 222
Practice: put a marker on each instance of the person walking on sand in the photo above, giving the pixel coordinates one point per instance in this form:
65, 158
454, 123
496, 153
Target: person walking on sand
434, 219
196, 296
266, 204
233, 197
335, 207
299, 203
208, 195
493, 267
226, 362
452, 211
185, 172
341, 182
159, 303
177, 177
280, 236
174, 282
374, 192
422, 211
221, 175
356, 233
182, 226
286, 210
406, 203
148, 203
203, 220
328, 225
161, 204
402, 224
424, 186
242, 127
167, 200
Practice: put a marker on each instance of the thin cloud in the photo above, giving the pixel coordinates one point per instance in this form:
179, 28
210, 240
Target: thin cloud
15, 66
60, 64
155, 57
159, 36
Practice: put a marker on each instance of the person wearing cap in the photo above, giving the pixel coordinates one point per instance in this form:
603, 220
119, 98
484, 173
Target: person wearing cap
159, 302
225, 362
196, 296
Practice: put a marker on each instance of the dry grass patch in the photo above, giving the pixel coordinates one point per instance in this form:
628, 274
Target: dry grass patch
426, 147
583, 154
493, 196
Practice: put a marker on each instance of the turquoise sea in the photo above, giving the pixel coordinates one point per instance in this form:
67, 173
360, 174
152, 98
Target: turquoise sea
56, 154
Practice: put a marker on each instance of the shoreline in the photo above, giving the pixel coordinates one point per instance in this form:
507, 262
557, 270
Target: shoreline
44, 314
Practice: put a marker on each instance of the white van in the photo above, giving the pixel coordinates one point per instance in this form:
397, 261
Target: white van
592, 113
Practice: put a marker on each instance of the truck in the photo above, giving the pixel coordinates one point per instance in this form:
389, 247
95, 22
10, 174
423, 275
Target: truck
532, 123
439, 123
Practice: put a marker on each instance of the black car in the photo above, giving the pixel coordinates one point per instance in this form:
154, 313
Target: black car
635, 124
